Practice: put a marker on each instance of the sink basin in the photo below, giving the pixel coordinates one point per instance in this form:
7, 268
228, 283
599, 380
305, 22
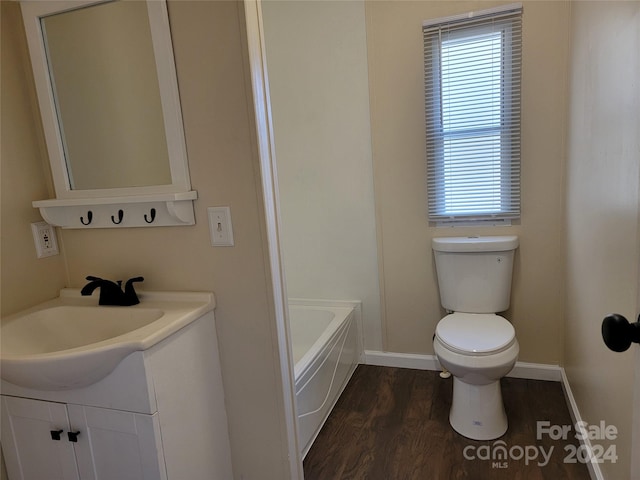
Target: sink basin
71, 342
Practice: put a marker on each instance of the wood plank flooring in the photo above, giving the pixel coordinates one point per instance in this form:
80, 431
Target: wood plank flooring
393, 423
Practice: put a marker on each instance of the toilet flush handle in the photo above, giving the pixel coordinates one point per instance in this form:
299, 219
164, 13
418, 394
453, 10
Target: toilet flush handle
618, 333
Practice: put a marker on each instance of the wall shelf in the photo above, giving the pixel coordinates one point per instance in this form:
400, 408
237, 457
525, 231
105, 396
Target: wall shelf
153, 210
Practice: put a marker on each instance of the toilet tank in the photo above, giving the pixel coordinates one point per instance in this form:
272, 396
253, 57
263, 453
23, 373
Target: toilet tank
474, 273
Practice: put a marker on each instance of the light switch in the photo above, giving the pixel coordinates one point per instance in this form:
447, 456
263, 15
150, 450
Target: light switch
220, 226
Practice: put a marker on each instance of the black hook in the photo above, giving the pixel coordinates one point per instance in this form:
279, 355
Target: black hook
89, 218
120, 217
152, 216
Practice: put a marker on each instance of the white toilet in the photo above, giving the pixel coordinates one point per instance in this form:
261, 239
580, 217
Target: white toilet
477, 346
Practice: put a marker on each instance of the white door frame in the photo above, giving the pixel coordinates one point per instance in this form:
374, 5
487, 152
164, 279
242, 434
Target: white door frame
635, 423
266, 152
635, 433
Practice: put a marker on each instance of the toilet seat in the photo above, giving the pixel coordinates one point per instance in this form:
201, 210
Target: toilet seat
475, 333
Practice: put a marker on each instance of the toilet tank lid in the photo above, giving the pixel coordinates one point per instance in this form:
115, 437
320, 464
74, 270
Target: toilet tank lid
475, 244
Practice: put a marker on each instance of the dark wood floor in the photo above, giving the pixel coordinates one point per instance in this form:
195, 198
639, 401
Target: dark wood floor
393, 423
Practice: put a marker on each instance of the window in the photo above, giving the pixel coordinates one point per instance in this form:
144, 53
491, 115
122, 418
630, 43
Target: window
472, 100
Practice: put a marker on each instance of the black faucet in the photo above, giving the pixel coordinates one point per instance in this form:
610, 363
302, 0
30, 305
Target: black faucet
111, 292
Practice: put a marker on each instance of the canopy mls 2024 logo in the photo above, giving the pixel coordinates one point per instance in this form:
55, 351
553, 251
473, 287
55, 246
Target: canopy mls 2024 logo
500, 454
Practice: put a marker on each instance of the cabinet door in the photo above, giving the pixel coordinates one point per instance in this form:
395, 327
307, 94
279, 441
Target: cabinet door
113, 444
29, 450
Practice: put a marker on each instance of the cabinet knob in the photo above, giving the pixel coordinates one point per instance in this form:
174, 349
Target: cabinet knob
55, 434
73, 436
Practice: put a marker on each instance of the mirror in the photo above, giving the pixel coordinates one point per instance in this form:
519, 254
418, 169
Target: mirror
107, 89
102, 68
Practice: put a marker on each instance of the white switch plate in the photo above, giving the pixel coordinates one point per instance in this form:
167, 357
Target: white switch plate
44, 236
220, 226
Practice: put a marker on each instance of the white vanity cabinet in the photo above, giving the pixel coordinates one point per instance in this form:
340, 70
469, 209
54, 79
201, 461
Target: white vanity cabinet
159, 415
27, 444
104, 443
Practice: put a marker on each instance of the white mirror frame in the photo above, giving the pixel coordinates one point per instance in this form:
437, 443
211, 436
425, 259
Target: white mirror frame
158, 205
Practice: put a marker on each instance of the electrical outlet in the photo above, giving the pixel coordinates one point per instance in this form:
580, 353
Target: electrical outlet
220, 226
44, 236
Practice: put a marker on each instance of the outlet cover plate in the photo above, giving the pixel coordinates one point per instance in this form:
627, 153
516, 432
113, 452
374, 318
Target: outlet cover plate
44, 237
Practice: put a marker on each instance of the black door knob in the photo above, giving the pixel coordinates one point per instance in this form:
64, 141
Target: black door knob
618, 333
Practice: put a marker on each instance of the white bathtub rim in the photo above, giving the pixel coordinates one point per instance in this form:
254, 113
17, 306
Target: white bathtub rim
327, 338
322, 356
355, 304
308, 325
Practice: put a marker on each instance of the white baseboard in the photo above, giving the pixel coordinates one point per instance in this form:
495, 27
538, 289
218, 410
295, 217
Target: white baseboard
401, 360
537, 371
533, 371
594, 468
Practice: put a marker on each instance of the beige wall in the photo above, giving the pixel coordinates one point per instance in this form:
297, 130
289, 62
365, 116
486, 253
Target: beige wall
602, 213
320, 103
212, 75
410, 293
25, 279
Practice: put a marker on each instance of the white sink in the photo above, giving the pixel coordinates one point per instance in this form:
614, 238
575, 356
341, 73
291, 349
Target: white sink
71, 342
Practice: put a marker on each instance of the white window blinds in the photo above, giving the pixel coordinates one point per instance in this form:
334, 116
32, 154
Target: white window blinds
472, 72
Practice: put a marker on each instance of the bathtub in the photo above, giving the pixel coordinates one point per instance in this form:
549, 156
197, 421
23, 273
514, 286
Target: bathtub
326, 352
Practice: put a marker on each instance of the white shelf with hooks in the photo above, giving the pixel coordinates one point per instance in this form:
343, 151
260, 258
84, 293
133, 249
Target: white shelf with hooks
153, 210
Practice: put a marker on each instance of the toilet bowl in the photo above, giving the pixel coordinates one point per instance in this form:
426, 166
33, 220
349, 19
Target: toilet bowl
478, 350
477, 346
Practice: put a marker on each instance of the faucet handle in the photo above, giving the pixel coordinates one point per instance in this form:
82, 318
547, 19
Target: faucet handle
130, 296
91, 278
